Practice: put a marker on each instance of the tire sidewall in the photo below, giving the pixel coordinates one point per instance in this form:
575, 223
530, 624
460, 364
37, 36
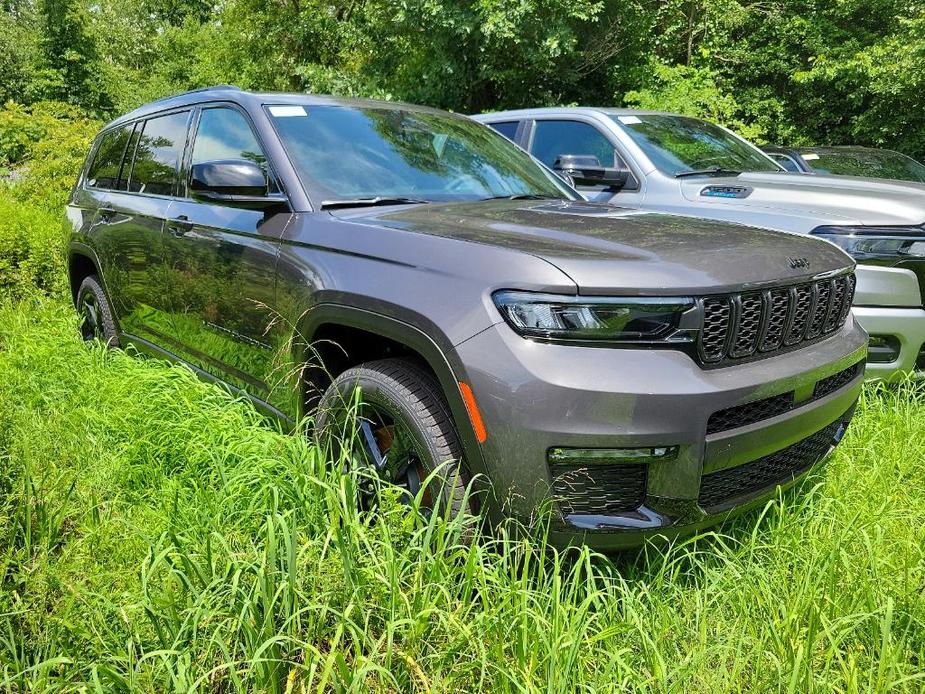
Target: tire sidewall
91, 285
379, 392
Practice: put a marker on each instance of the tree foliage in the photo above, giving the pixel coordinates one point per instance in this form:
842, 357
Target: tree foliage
792, 71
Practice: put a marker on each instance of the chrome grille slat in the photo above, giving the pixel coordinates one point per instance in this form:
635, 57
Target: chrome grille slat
739, 326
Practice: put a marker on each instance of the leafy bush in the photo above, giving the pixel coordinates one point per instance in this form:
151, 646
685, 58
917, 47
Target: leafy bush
42, 148
31, 249
692, 91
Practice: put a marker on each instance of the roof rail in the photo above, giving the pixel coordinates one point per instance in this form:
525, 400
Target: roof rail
215, 87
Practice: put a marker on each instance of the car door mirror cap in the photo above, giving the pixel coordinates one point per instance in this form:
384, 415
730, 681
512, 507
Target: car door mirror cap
237, 182
586, 170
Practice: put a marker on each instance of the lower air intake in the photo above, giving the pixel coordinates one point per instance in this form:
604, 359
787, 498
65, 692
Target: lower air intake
598, 489
719, 488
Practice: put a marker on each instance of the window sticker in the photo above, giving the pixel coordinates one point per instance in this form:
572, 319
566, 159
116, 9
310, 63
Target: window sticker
287, 111
810, 156
629, 120
439, 143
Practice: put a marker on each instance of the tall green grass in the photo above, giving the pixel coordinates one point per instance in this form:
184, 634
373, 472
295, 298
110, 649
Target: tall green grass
157, 535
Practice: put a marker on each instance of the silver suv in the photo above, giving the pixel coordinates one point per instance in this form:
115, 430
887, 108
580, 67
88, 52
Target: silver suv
684, 165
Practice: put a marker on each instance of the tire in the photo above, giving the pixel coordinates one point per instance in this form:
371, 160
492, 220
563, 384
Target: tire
96, 322
411, 396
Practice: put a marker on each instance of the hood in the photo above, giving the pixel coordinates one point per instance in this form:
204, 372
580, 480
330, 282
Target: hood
607, 250
847, 200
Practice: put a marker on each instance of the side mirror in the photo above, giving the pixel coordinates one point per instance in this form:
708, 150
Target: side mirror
586, 170
570, 182
238, 182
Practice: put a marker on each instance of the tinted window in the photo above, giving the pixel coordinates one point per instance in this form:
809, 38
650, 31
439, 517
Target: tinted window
157, 154
343, 153
684, 145
107, 164
225, 134
786, 162
554, 137
508, 129
876, 163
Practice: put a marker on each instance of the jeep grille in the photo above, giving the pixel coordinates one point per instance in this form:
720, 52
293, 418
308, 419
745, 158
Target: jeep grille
760, 323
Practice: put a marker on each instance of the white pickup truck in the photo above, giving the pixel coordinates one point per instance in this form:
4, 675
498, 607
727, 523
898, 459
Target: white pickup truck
683, 165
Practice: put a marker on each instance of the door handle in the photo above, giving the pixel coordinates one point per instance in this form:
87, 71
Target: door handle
178, 226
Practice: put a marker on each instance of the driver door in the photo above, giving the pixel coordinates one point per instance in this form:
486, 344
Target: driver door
223, 260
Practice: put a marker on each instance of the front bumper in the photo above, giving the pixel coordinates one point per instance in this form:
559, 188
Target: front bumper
907, 327
535, 396
888, 304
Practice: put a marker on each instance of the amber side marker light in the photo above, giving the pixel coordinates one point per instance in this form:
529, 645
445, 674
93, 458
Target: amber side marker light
474, 415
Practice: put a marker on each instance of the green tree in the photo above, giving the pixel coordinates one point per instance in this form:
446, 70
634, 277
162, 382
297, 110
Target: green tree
692, 91
17, 52
69, 67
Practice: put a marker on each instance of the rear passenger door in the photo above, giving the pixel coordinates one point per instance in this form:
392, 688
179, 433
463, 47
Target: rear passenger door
130, 222
104, 177
223, 260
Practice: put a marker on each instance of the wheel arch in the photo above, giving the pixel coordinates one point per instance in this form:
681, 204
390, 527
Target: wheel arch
333, 338
82, 262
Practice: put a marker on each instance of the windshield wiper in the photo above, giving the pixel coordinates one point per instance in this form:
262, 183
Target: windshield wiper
370, 202
712, 171
525, 196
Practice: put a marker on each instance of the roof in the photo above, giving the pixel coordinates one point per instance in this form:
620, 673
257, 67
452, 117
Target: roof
560, 110
837, 149
777, 149
230, 93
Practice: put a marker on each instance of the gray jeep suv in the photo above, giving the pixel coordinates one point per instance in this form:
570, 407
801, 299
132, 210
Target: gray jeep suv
646, 374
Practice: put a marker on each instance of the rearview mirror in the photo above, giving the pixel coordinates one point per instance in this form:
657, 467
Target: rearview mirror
586, 170
238, 182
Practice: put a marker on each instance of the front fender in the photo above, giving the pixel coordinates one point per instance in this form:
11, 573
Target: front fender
441, 358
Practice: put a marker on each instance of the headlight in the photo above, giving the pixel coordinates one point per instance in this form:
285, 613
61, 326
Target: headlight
580, 318
876, 244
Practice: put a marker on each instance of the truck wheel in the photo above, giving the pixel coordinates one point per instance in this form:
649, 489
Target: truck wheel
402, 431
96, 321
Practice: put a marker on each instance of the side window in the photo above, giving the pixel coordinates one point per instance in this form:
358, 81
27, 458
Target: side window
786, 162
225, 134
552, 138
157, 154
106, 169
507, 128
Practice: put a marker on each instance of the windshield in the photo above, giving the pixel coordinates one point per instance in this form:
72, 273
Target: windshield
680, 145
346, 153
879, 163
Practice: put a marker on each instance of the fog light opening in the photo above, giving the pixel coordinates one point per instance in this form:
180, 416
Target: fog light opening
607, 456
882, 349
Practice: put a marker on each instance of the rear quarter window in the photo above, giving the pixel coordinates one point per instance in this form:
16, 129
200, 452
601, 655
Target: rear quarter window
106, 169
